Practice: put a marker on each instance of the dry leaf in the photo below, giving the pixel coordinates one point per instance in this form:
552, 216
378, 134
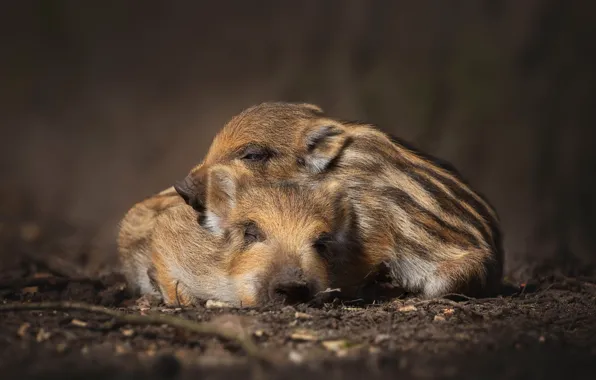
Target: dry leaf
439, 318
335, 345
342, 353
352, 308
295, 357
151, 349
183, 354
299, 315
120, 349
78, 323
304, 335
42, 335
211, 304
127, 332
331, 290
23, 329
30, 289
61, 347
407, 308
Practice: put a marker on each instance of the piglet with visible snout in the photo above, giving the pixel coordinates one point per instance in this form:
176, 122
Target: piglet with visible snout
257, 243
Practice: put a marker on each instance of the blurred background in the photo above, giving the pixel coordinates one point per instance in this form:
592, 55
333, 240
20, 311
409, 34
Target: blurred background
103, 103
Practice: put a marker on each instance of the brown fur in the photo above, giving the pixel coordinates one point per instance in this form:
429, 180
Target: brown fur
414, 214
136, 234
258, 244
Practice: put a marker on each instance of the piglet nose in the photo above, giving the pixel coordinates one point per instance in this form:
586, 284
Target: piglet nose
290, 287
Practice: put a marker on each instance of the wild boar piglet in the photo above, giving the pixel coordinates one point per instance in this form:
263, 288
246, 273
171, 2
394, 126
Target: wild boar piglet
257, 243
415, 214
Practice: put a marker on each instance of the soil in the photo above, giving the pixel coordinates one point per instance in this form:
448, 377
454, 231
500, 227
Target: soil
544, 329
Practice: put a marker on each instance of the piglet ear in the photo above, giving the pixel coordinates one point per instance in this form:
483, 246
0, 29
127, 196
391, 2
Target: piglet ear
192, 188
312, 107
323, 144
222, 184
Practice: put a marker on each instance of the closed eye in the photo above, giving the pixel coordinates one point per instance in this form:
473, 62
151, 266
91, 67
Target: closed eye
255, 153
252, 233
323, 244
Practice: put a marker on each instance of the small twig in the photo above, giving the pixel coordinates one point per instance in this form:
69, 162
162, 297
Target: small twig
143, 320
542, 291
453, 304
460, 295
353, 301
328, 290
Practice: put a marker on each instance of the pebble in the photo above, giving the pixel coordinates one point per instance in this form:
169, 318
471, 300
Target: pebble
407, 308
211, 304
303, 335
299, 315
335, 345
295, 357
381, 338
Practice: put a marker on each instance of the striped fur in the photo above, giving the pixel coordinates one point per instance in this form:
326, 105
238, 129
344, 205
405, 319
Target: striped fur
135, 238
271, 238
416, 215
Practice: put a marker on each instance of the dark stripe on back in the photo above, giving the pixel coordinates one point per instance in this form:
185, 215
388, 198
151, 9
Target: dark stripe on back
432, 161
373, 146
435, 226
449, 168
452, 206
447, 203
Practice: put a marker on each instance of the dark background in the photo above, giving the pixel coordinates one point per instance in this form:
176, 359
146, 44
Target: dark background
105, 102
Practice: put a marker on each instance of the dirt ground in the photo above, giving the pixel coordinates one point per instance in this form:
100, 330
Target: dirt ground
544, 330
